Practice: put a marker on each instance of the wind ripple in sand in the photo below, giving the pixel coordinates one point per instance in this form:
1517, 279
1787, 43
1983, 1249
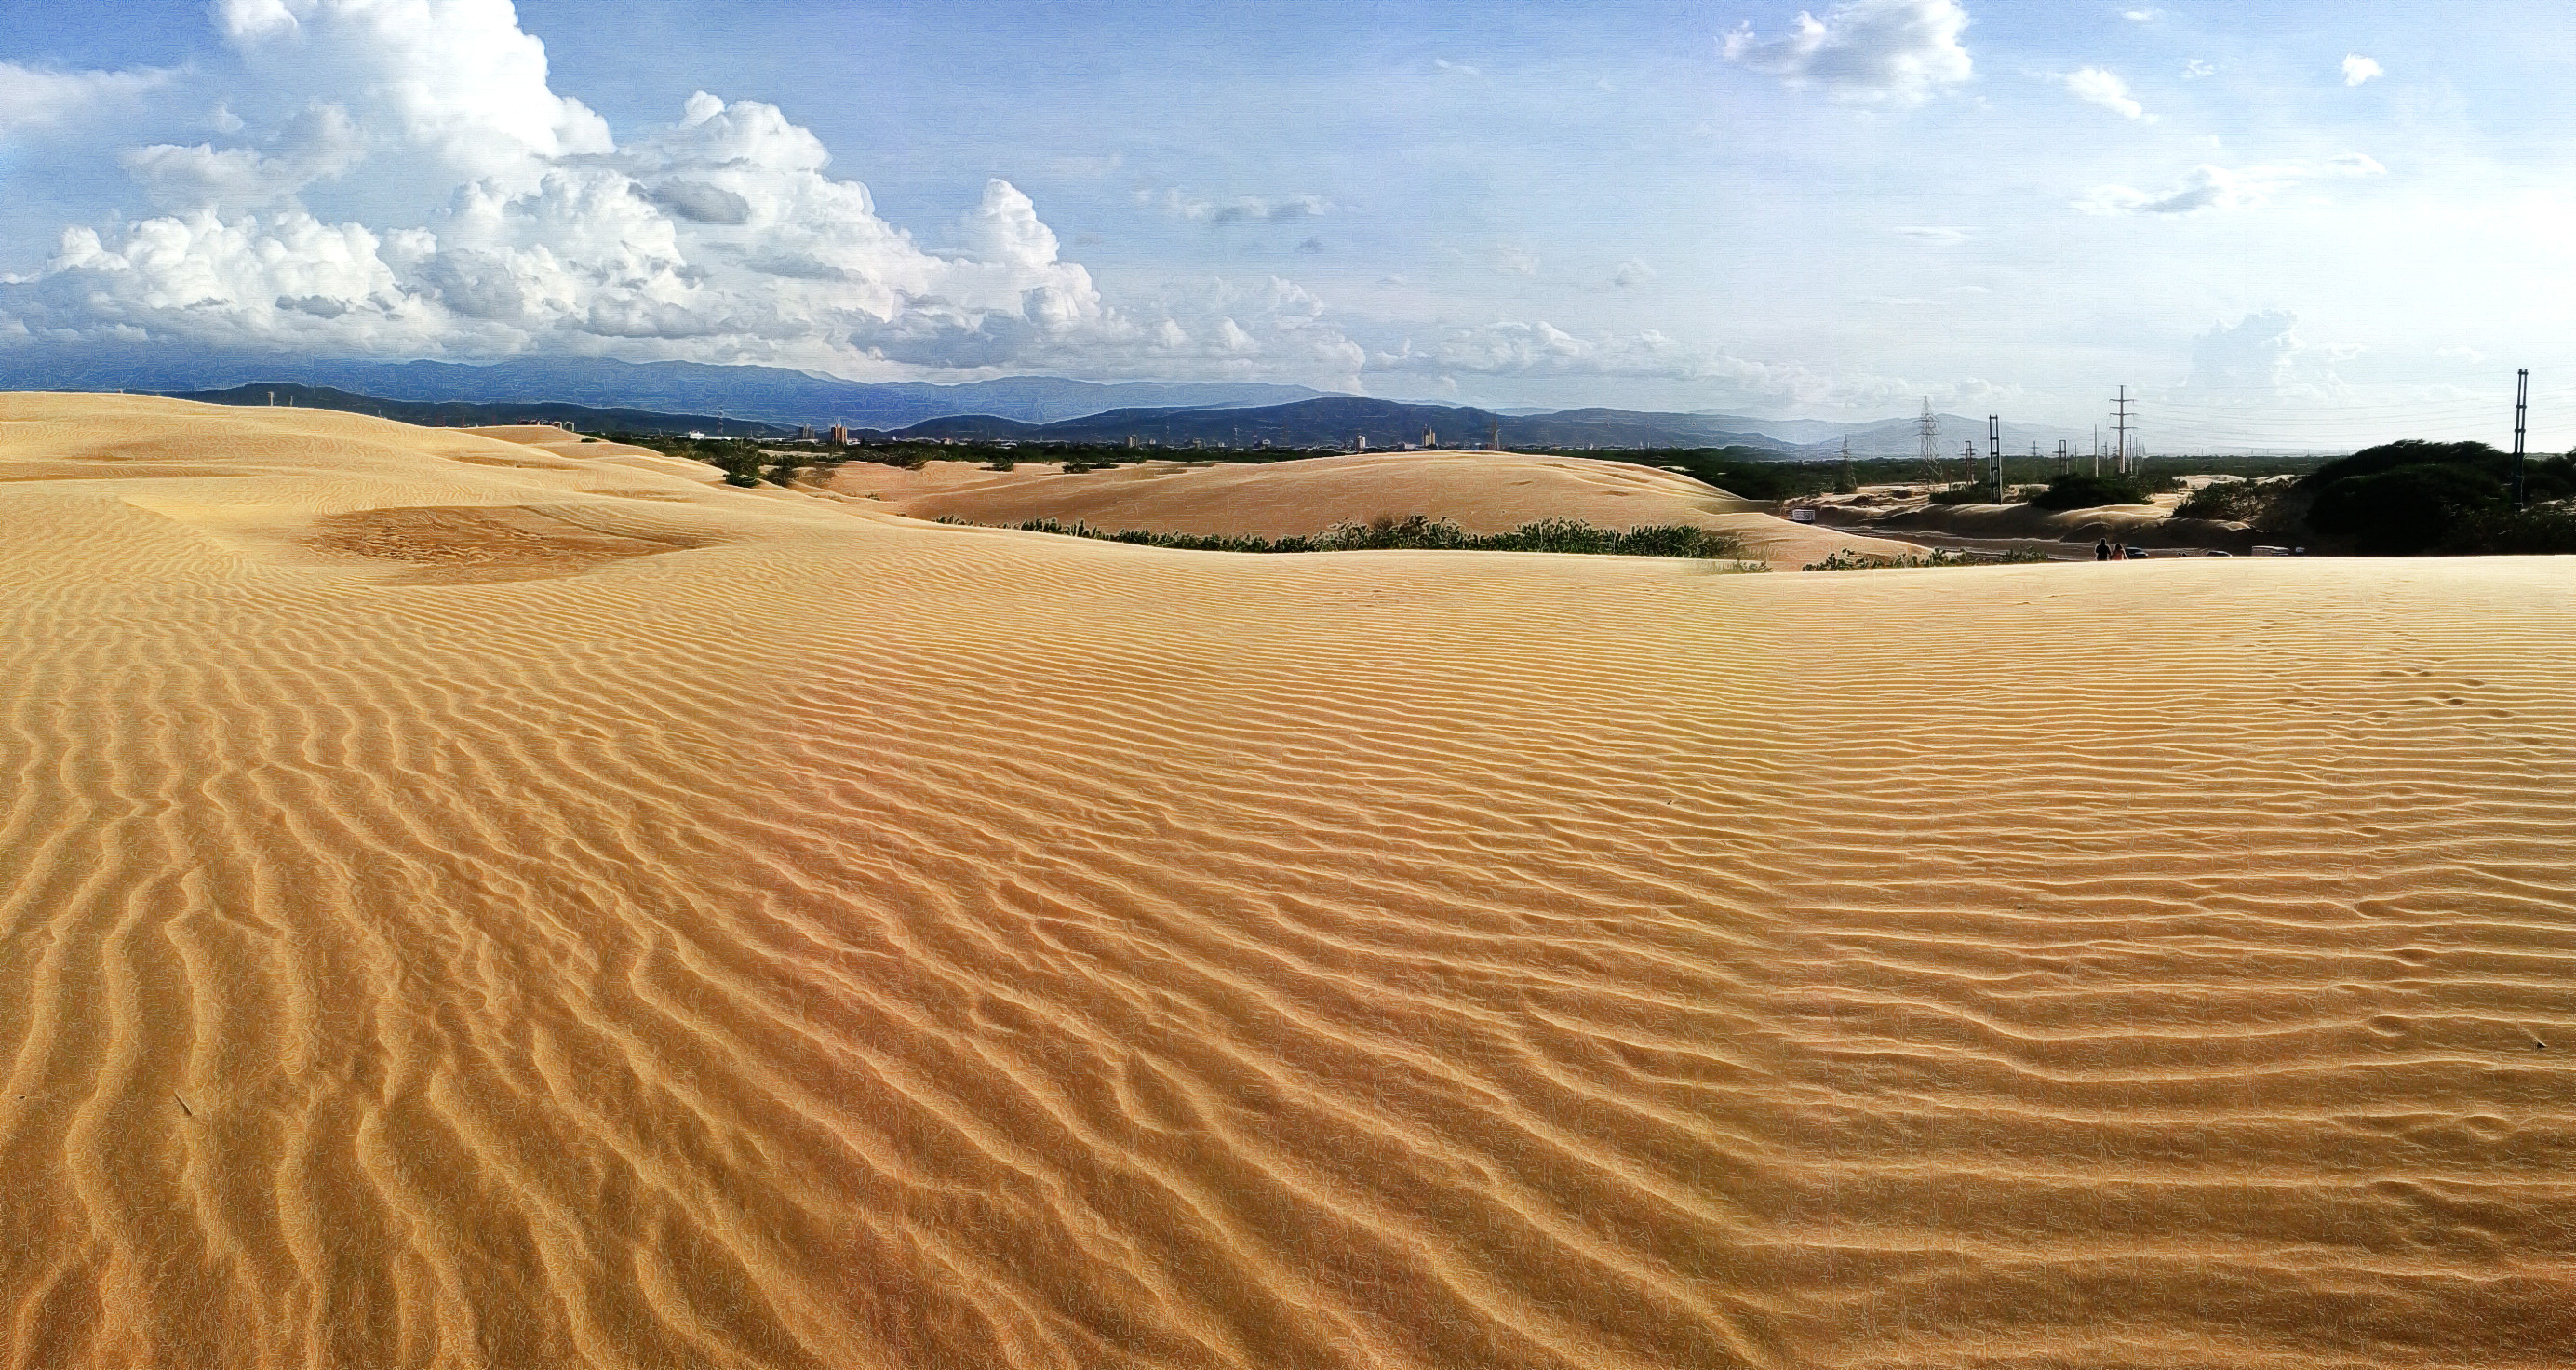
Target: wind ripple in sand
851, 943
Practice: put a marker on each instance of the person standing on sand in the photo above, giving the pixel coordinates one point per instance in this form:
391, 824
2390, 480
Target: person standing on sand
2119, 551
2102, 550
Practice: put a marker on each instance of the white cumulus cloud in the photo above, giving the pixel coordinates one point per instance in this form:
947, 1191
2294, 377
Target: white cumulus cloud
2095, 86
1243, 209
494, 217
318, 143
39, 97
2357, 69
1865, 51
2212, 187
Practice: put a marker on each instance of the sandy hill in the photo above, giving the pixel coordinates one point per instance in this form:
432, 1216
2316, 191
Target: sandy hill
1483, 492
562, 442
464, 906
2149, 525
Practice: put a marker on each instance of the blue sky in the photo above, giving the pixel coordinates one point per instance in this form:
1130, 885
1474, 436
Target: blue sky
2294, 224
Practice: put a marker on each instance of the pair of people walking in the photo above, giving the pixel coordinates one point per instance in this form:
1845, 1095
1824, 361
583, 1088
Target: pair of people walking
2107, 550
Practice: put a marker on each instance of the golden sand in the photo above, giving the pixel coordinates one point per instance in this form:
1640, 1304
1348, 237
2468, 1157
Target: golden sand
1483, 492
825, 939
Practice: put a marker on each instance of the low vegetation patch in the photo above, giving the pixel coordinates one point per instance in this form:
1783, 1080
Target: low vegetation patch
2412, 498
2083, 490
1849, 560
1422, 533
2236, 501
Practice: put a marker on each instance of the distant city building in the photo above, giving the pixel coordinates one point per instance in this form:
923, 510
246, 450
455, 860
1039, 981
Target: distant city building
840, 435
1360, 443
1429, 440
804, 433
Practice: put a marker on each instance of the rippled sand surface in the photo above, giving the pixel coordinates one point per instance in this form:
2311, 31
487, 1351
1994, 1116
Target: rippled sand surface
467, 906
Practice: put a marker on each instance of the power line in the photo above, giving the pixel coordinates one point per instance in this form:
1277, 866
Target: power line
1995, 454
2521, 403
2120, 415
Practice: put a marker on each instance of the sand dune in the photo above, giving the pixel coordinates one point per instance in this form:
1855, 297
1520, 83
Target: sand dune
824, 939
1483, 492
2149, 525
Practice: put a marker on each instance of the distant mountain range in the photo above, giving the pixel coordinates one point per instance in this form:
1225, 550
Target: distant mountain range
456, 414
1339, 420
694, 395
764, 394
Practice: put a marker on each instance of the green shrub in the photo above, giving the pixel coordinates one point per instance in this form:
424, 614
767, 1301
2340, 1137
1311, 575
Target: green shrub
2410, 498
2404, 510
2542, 530
1849, 560
2083, 490
1421, 533
2233, 501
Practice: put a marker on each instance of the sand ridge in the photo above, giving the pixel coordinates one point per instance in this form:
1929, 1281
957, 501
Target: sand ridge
856, 942
1483, 492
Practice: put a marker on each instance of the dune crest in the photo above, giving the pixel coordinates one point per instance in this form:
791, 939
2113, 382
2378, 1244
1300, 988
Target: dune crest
848, 941
1483, 492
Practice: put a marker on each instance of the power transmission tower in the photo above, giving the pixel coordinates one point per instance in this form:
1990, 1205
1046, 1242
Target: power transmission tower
1968, 461
2521, 401
2065, 460
1995, 454
1928, 429
2120, 413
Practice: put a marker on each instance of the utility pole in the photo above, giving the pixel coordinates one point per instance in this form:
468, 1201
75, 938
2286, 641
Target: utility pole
2121, 414
2065, 461
2097, 450
1995, 455
2521, 402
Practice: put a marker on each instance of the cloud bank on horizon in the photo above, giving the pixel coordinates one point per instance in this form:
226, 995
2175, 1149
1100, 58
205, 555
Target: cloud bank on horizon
1725, 222
718, 236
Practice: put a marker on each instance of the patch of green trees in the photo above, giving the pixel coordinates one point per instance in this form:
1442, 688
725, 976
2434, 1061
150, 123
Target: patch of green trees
2414, 498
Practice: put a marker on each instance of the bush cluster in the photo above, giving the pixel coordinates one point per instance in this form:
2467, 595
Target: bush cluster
1849, 560
2234, 501
2083, 490
2410, 498
1422, 533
